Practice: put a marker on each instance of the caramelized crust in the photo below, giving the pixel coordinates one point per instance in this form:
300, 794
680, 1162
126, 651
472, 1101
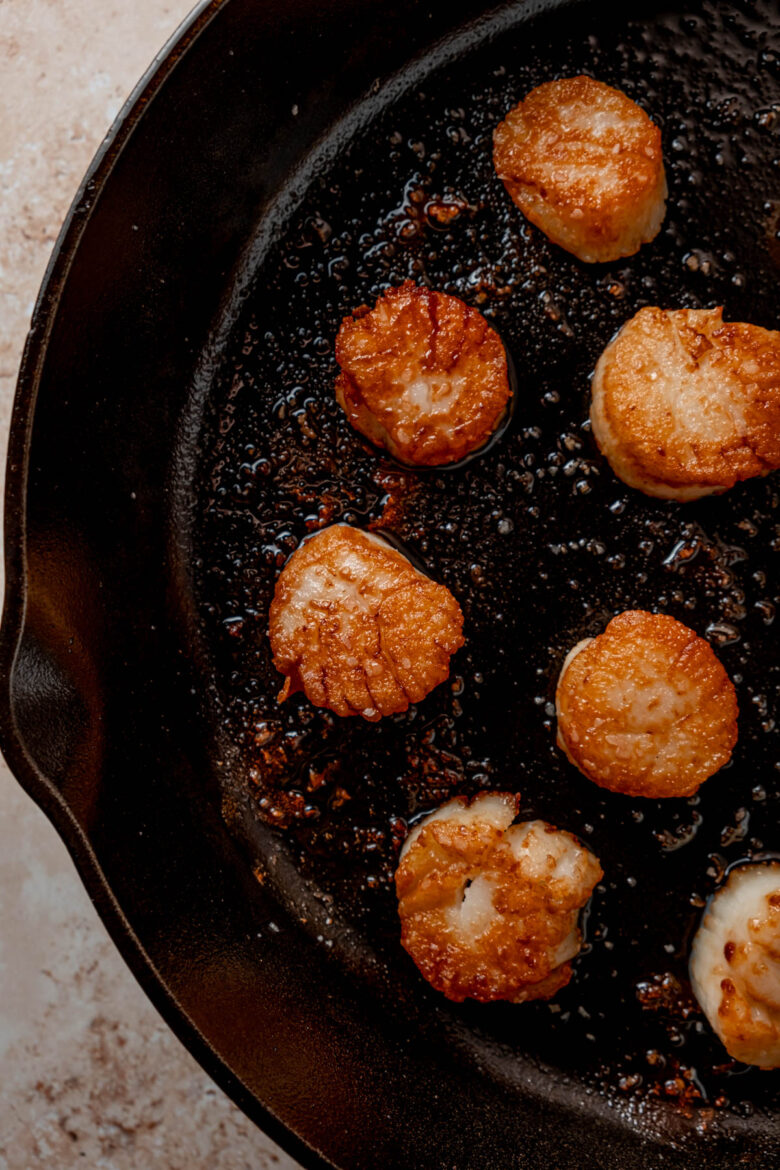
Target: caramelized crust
583, 162
423, 375
358, 628
646, 708
735, 964
489, 911
686, 404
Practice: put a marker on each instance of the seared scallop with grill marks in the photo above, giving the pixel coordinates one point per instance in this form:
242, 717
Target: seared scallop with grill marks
423, 375
356, 627
489, 909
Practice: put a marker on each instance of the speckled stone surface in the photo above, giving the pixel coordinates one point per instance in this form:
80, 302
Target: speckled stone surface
89, 1074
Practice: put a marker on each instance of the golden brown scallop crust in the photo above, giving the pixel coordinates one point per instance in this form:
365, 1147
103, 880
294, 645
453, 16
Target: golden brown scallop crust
742, 1034
535, 911
584, 164
361, 631
686, 404
646, 708
422, 374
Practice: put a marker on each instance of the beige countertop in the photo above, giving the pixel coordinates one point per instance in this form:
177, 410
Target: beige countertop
90, 1076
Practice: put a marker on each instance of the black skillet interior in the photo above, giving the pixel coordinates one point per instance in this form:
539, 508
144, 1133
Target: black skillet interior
241, 852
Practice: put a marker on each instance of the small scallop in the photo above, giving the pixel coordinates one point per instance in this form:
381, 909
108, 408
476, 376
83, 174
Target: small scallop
422, 375
686, 405
583, 162
357, 628
735, 964
646, 708
489, 909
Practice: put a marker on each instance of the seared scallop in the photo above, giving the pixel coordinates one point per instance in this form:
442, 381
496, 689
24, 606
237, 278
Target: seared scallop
489, 909
646, 708
686, 404
735, 964
422, 375
583, 162
357, 628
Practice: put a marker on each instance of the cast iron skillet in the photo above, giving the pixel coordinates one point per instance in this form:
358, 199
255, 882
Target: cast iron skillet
174, 435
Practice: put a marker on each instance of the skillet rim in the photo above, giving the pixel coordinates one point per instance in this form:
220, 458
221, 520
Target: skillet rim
12, 623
